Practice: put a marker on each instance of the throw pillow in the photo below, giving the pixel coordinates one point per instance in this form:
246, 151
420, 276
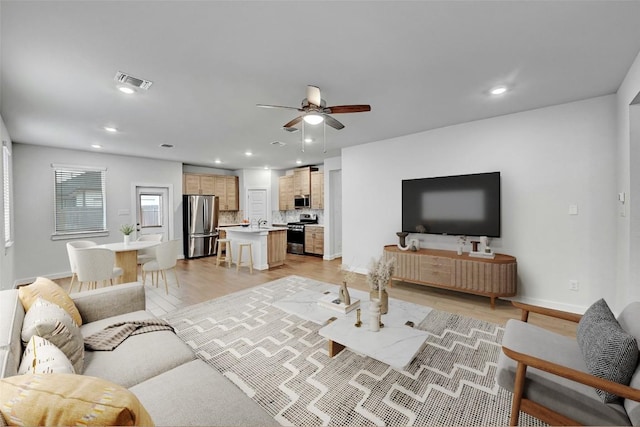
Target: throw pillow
609, 352
50, 291
68, 399
51, 322
42, 357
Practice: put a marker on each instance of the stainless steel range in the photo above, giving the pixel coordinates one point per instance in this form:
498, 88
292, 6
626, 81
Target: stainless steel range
295, 233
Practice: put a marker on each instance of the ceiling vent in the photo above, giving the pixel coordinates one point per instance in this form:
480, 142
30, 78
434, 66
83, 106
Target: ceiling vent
290, 129
132, 81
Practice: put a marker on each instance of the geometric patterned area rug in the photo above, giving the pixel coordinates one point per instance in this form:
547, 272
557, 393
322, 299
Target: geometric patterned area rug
281, 362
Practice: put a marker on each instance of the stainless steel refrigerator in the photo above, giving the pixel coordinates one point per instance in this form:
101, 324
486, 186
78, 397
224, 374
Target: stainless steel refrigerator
200, 225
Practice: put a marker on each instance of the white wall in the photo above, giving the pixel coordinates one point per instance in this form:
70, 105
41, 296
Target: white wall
627, 284
7, 253
332, 223
35, 253
549, 158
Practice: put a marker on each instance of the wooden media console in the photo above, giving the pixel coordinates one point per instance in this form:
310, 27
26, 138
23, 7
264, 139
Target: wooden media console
494, 278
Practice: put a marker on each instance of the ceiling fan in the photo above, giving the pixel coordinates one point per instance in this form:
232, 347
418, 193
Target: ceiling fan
315, 111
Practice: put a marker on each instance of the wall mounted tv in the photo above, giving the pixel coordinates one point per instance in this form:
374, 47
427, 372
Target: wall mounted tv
461, 205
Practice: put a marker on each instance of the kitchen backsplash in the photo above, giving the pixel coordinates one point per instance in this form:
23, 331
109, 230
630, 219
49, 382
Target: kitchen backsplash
284, 217
277, 217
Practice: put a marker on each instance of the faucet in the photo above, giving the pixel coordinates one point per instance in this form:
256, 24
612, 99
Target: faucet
262, 222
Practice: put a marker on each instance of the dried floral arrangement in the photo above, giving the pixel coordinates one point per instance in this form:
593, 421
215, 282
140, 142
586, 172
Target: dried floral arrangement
348, 275
380, 272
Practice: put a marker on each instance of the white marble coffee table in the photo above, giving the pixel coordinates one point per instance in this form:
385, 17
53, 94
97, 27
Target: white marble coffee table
396, 344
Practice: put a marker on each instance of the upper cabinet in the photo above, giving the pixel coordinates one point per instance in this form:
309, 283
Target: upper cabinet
317, 190
285, 193
223, 186
302, 181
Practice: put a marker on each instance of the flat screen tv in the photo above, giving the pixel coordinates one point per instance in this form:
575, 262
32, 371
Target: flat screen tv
461, 205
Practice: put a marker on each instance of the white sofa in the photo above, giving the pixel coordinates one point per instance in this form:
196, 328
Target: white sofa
173, 385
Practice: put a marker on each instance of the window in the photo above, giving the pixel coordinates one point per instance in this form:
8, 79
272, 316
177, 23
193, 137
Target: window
6, 194
79, 201
150, 210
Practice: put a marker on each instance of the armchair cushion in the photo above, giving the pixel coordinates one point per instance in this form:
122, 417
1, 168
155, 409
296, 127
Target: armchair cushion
609, 352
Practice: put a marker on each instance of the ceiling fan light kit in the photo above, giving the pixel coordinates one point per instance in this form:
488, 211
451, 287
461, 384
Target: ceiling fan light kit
315, 111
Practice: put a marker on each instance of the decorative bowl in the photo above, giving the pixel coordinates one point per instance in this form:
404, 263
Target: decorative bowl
245, 225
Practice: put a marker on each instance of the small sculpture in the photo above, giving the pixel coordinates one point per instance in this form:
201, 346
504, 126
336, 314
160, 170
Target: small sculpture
402, 235
344, 296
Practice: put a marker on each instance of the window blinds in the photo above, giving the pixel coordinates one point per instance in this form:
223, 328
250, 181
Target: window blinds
79, 200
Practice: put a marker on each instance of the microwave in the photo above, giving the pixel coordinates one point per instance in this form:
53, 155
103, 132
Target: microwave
300, 202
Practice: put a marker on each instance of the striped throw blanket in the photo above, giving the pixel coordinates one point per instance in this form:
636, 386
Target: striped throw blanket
113, 335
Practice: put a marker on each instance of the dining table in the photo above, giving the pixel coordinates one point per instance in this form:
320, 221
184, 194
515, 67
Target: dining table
127, 257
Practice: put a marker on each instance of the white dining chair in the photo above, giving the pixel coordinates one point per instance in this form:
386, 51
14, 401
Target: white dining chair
166, 258
148, 254
96, 264
78, 244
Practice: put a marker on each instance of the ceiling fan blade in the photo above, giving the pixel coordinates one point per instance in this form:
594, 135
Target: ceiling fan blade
278, 106
313, 95
332, 122
337, 109
293, 122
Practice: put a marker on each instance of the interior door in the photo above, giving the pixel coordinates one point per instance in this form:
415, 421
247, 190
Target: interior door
257, 205
152, 211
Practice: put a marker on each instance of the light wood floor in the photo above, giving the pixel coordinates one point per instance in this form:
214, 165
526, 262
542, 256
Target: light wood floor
201, 280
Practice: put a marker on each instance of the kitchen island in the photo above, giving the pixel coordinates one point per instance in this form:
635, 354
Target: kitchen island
269, 245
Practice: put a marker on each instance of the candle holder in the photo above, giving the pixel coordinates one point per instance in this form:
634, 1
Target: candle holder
358, 321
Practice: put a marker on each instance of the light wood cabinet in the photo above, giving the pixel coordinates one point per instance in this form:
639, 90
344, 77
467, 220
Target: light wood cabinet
285, 193
317, 190
494, 278
223, 186
302, 181
314, 239
276, 248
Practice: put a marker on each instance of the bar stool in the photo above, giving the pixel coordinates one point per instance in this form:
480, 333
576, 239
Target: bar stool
239, 264
227, 252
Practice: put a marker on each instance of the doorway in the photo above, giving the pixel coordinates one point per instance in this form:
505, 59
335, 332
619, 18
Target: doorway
257, 205
152, 211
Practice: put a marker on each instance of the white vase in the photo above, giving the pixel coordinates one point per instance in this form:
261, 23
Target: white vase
374, 315
127, 239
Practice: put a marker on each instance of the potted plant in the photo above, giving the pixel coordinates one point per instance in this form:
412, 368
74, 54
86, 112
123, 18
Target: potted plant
127, 229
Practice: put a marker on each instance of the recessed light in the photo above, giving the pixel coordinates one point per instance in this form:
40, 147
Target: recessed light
498, 90
307, 139
110, 129
98, 146
266, 167
248, 153
217, 161
126, 90
298, 162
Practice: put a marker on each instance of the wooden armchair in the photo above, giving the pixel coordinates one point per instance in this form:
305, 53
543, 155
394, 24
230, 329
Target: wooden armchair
549, 378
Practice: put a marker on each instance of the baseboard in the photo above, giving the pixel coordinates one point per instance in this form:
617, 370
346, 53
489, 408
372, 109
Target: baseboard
331, 257
572, 308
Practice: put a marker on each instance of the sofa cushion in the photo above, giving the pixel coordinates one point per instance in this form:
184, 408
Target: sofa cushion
11, 318
50, 291
68, 399
200, 395
609, 352
42, 357
139, 357
49, 321
577, 401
